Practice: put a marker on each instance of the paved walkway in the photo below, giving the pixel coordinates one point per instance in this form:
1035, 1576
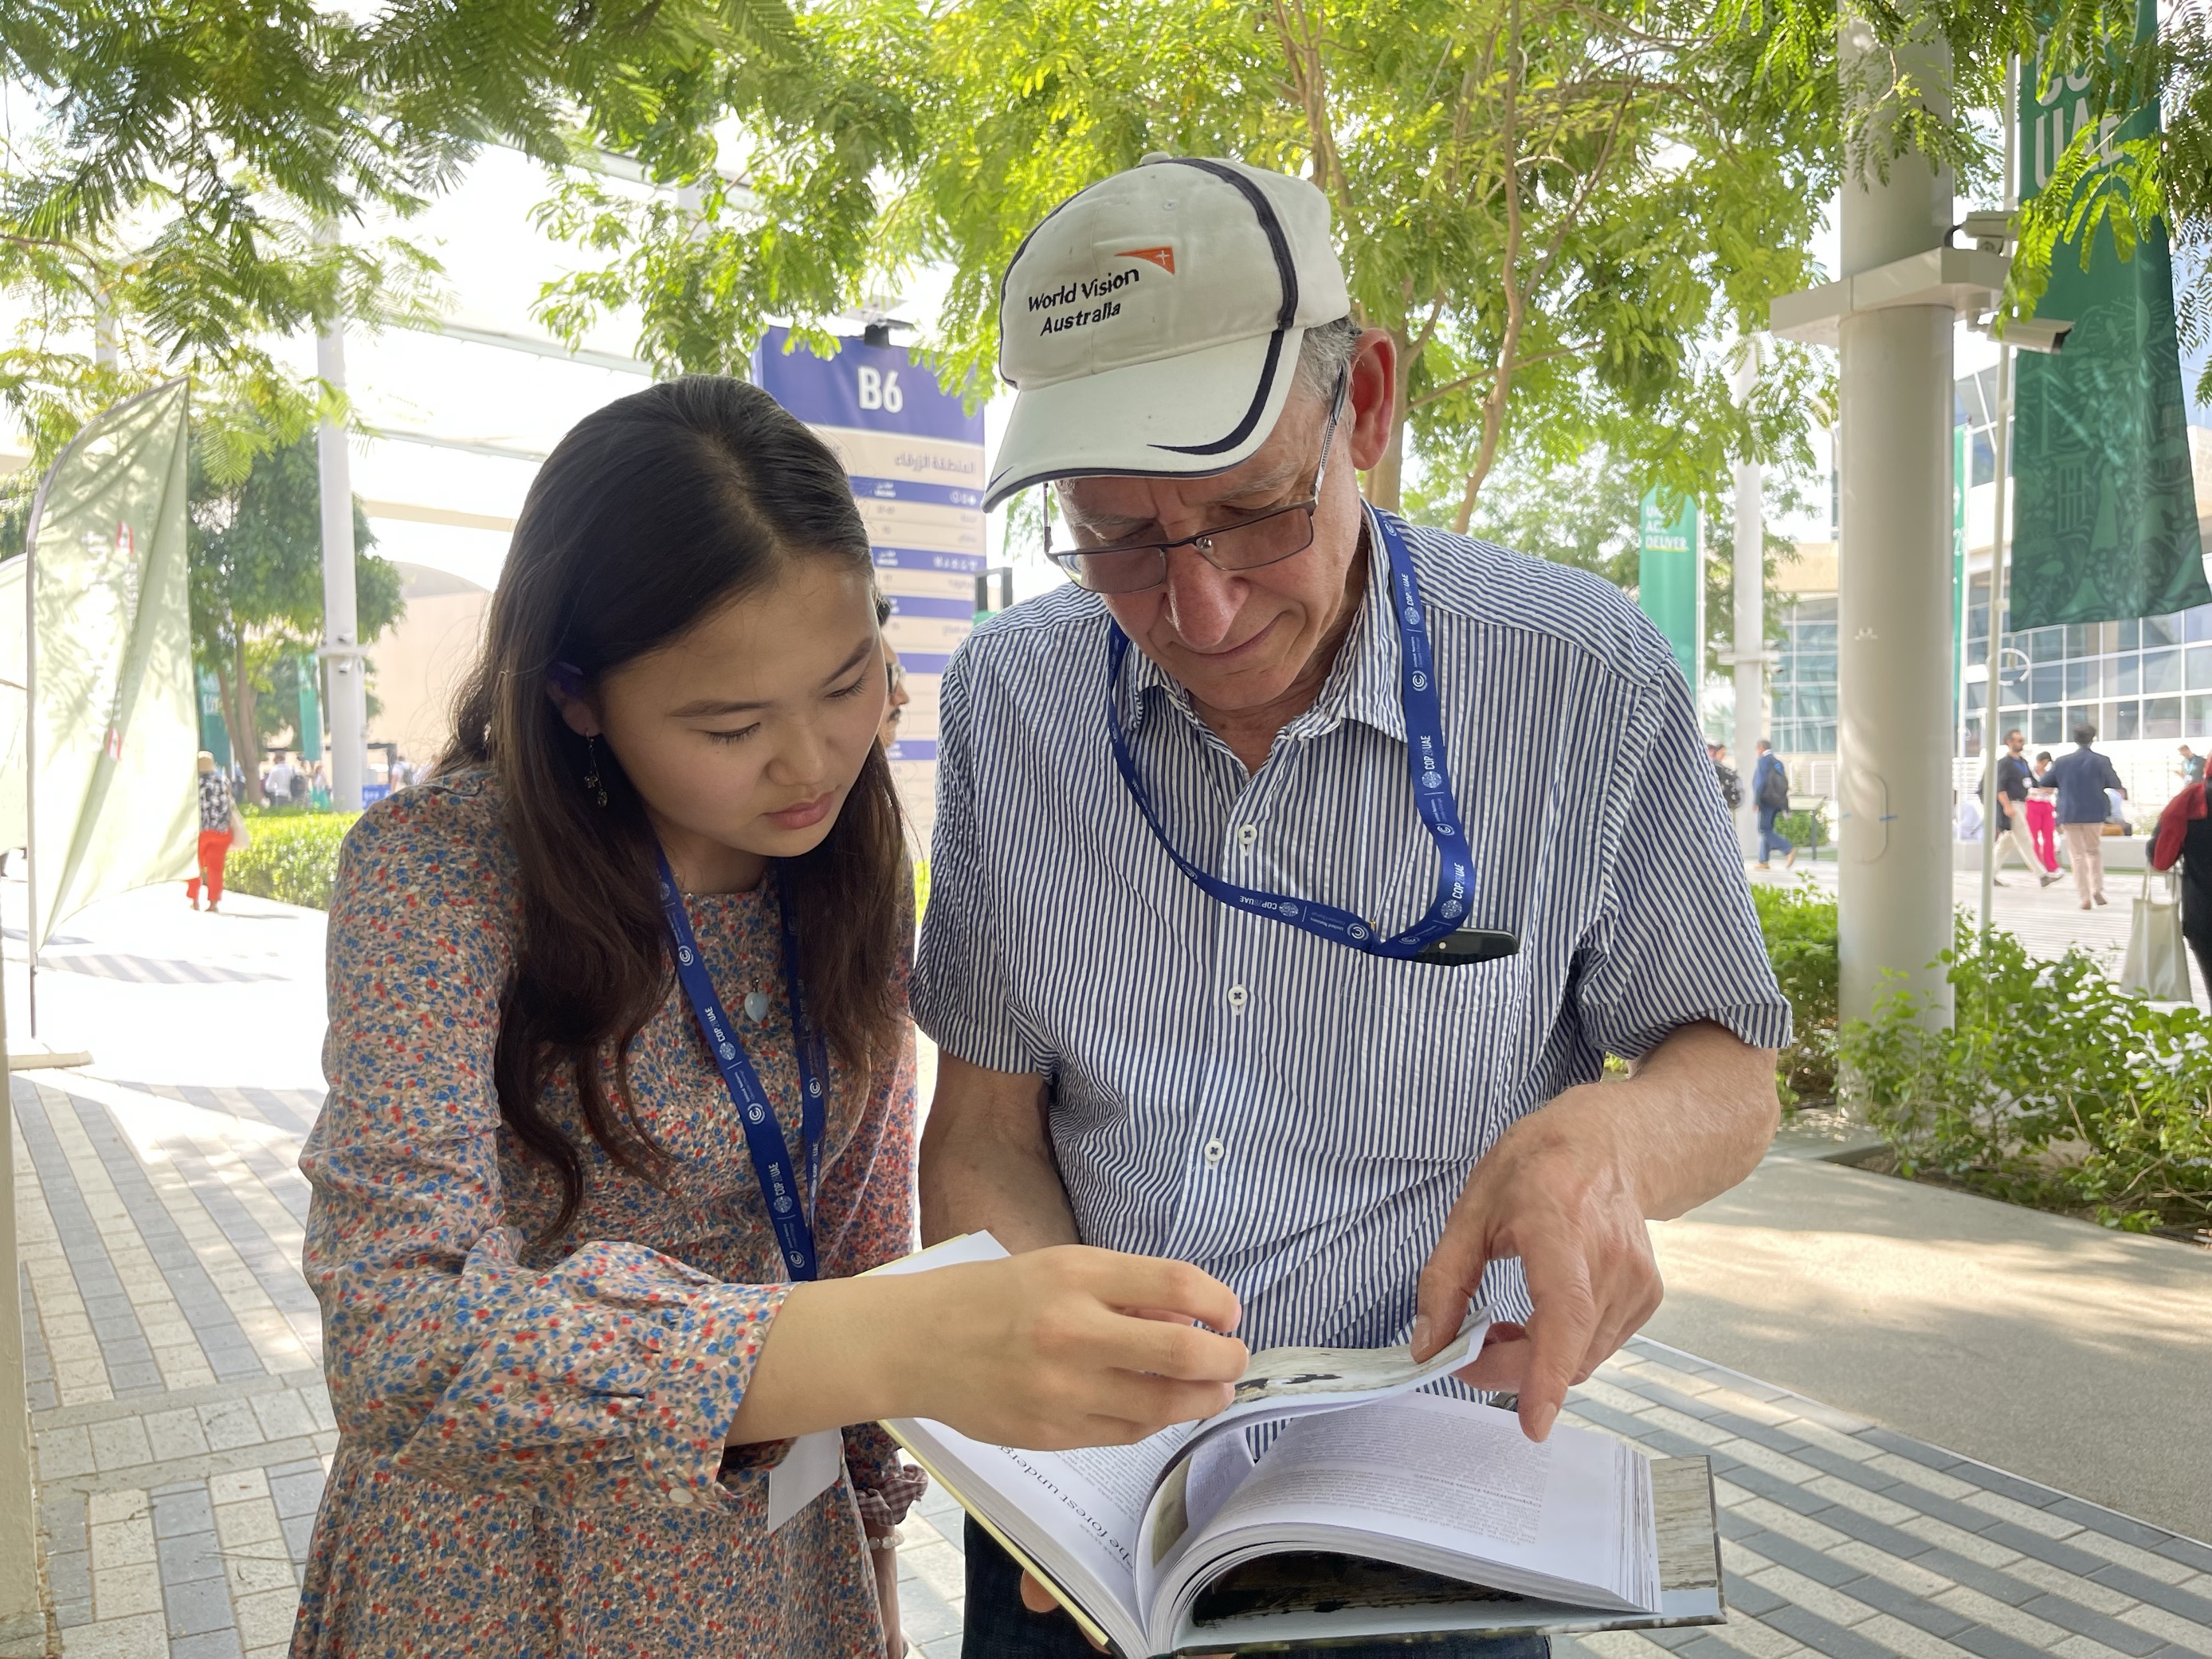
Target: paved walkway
182, 1430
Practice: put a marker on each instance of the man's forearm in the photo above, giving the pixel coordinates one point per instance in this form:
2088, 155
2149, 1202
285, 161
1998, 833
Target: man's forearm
1695, 1117
987, 1162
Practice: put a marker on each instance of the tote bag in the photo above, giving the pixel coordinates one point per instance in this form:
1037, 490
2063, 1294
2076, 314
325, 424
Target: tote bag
2157, 964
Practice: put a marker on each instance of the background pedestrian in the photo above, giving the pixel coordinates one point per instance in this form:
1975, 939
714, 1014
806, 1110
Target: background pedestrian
1725, 775
2082, 780
2042, 812
215, 808
1770, 789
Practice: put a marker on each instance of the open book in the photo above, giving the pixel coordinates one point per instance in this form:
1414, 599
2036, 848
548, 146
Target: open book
1376, 1511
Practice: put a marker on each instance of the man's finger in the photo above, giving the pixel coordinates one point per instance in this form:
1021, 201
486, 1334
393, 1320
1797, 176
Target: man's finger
1449, 1278
1503, 1360
1558, 1336
1037, 1598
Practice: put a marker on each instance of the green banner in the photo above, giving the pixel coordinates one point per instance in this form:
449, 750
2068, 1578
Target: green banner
2105, 512
1670, 580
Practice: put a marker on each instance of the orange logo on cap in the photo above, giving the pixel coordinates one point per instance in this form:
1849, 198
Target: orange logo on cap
1162, 257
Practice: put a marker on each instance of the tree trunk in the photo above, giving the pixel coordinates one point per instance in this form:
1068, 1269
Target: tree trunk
244, 729
1386, 482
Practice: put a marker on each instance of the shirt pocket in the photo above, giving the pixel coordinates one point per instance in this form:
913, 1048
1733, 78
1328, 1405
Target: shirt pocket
1424, 1065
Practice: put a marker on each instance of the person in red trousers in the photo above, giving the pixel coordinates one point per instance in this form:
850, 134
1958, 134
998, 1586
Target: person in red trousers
214, 833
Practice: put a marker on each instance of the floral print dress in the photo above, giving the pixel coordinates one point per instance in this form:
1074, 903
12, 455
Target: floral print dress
531, 1457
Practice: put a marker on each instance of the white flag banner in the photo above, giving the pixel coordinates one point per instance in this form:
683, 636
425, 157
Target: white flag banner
113, 721
14, 822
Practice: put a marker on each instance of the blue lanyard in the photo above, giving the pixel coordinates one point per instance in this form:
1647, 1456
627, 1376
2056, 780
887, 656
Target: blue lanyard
791, 1215
1432, 793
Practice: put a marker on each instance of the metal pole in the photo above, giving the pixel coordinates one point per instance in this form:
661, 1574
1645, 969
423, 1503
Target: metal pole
31, 764
2003, 437
1893, 600
1750, 654
348, 713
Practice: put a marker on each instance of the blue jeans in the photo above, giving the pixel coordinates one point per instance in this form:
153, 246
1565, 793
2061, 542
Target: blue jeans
998, 1626
1768, 841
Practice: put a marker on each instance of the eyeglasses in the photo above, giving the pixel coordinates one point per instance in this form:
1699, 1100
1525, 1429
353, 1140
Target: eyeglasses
1279, 534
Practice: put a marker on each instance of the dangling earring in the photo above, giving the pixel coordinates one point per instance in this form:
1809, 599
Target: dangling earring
594, 786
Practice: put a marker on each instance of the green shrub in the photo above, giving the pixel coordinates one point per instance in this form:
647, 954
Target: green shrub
1808, 828
2051, 1087
1799, 924
293, 857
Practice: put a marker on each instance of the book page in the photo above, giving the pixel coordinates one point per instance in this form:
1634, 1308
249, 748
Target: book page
1461, 1489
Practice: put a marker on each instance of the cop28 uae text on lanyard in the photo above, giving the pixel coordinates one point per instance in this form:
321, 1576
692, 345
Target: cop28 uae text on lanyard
1438, 937
810, 1465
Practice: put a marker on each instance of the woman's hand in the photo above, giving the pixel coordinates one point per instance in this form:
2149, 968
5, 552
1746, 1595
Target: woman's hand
1053, 1348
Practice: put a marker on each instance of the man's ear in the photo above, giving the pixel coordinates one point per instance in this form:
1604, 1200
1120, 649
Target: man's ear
1374, 376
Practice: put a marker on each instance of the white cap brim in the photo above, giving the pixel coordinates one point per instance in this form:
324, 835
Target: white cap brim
1186, 416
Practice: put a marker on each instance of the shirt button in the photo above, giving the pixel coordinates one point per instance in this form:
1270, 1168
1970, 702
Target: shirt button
1215, 1151
1246, 834
680, 1494
1236, 998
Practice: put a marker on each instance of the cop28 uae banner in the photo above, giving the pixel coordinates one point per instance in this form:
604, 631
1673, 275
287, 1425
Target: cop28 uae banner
2104, 523
111, 727
1670, 580
915, 455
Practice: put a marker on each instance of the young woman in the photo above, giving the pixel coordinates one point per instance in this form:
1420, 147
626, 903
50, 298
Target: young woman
569, 1341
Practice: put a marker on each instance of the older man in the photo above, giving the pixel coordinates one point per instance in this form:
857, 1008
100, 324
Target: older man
1296, 869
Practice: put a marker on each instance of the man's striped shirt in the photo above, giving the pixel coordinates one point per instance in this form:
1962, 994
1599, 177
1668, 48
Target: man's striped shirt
1290, 1115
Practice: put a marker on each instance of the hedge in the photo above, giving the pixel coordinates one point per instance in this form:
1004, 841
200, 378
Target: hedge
294, 856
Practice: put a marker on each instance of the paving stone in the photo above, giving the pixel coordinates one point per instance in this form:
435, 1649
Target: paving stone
2181, 1632
924, 1616
267, 1617
1786, 1493
1995, 1644
199, 1606
1753, 1600
300, 1492
179, 1511
1820, 1636
1889, 1440
2020, 1492
2097, 1626
209, 1644
189, 1557
2067, 1555
2188, 1552
1788, 1553
124, 1591
2159, 1593
298, 1529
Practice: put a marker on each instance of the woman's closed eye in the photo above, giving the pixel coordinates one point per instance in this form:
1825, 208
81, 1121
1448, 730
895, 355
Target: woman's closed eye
737, 736
859, 682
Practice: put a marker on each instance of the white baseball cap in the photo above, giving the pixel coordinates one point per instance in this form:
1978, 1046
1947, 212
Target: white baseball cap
1150, 326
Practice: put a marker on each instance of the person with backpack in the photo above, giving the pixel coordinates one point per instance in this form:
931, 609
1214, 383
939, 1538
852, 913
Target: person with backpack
1725, 775
1770, 788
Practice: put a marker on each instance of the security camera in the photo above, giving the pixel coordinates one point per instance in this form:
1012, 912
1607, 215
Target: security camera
2043, 334
1989, 232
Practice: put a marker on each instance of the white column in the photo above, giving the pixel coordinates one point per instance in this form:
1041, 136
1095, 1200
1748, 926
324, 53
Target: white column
346, 719
1893, 578
1750, 654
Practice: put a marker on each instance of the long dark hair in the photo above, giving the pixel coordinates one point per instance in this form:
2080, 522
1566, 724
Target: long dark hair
648, 515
